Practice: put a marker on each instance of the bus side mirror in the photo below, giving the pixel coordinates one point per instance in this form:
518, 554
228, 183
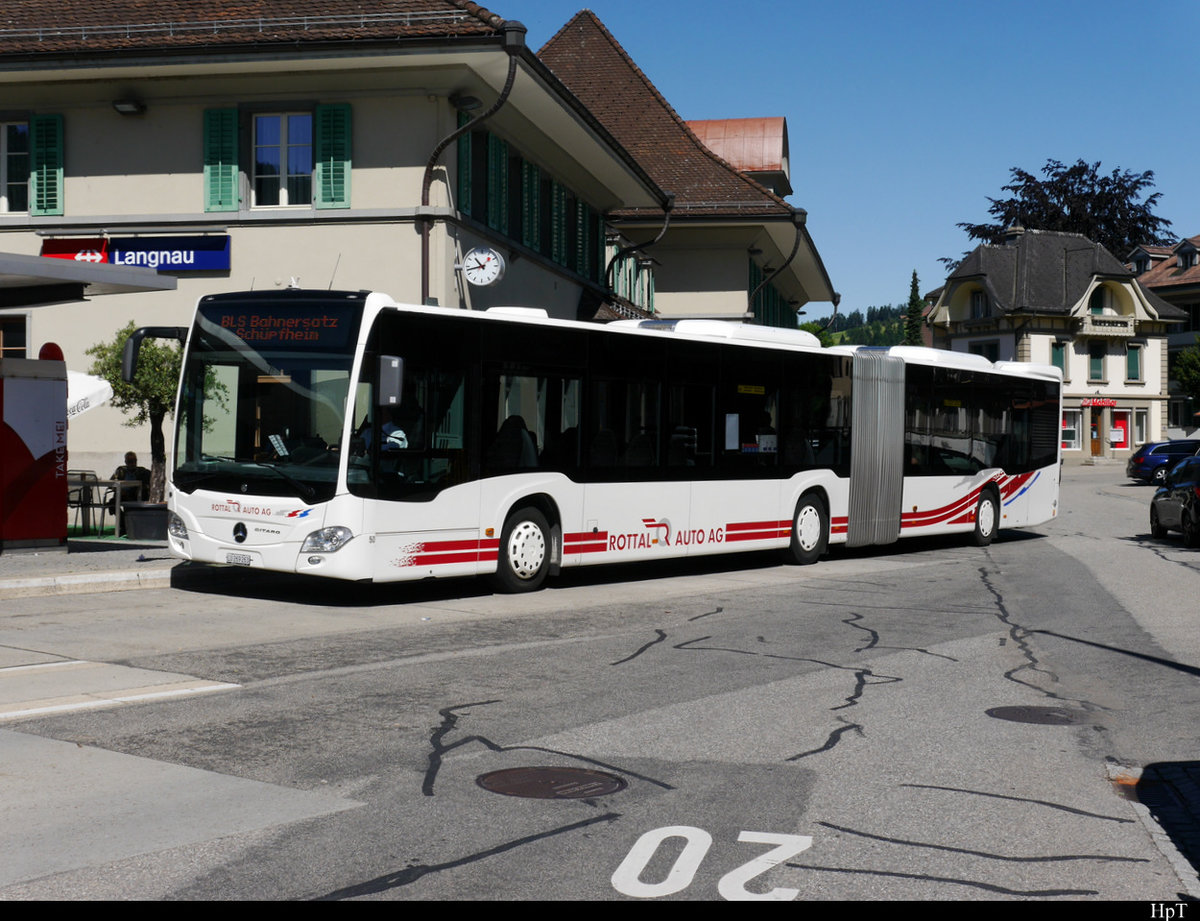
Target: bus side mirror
129, 357
391, 380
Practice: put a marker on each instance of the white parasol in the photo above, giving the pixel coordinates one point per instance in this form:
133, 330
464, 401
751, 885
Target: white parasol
85, 391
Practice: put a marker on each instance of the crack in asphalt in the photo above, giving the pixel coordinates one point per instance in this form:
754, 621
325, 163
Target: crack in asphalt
832, 739
873, 642
410, 875
1055, 858
1019, 635
862, 678
974, 884
661, 636
450, 722
1022, 799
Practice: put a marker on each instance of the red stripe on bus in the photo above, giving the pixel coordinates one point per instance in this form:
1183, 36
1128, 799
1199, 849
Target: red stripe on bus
756, 526
592, 547
585, 542
445, 546
765, 534
441, 559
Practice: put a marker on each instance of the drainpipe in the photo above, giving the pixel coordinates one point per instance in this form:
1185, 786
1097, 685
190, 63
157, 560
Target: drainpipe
514, 44
799, 216
667, 205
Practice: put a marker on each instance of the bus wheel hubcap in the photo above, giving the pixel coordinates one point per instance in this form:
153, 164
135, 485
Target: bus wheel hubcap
808, 527
526, 549
987, 518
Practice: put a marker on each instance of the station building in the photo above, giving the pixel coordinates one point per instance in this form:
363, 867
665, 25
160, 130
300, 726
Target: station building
393, 146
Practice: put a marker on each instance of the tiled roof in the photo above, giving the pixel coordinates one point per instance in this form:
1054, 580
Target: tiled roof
1047, 272
1167, 274
1151, 249
594, 66
31, 28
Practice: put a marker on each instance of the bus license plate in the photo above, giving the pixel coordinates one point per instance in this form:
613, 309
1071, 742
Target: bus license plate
239, 559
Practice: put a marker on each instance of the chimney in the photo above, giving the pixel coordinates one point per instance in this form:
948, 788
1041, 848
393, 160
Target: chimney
1012, 234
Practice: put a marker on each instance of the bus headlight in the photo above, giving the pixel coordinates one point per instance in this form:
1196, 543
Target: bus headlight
327, 540
176, 528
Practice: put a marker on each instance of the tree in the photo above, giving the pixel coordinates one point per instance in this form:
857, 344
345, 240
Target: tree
149, 398
912, 316
1107, 209
820, 330
1185, 371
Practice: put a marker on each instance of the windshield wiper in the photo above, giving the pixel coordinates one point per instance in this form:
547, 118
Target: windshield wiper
306, 492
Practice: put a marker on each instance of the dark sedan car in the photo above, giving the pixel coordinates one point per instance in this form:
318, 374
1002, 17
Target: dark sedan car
1176, 505
1152, 460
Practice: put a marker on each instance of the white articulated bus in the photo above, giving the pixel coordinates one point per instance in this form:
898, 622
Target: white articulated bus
340, 434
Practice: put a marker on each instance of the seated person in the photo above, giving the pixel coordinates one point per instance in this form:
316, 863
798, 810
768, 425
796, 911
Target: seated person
136, 485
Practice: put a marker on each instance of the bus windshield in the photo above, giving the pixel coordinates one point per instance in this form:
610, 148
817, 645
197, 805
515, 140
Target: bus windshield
263, 396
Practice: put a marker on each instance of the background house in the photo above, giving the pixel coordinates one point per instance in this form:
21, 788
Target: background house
734, 248
1173, 273
1060, 299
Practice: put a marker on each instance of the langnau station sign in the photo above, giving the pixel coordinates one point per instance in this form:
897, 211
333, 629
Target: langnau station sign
170, 255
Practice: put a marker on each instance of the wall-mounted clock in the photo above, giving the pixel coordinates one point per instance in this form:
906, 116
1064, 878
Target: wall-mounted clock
483, 266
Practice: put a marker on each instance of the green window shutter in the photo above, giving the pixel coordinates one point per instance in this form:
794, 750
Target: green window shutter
1133, 363
597, 254
221, 160
46, 164
333, 156
531, 205
497, 184
464, 166
583, 238
1058, 353
559, 202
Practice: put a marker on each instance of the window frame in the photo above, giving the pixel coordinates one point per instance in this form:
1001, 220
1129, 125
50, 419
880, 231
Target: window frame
284, 147
1141, 426
6, 156
980, 309
1093, 357
1138, 349
1072, 444
230, 167
12, 320
1059, 352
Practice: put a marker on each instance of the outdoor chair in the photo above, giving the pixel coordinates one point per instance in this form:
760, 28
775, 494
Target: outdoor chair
82, 497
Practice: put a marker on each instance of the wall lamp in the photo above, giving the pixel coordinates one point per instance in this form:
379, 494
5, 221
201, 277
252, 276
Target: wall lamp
465, 103
129, 106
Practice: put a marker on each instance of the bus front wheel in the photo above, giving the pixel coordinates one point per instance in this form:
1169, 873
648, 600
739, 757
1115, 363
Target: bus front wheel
810, 530
524, 551
987, 515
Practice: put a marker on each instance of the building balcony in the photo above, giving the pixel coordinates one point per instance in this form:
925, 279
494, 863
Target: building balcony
1108, 327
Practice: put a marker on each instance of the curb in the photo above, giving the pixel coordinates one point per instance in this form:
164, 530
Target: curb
85, 583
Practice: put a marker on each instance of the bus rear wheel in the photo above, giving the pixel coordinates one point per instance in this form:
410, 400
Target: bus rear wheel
524, 551
987, 514
810, 530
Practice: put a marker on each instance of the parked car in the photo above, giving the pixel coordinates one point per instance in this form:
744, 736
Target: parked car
1152, 460
1176, 505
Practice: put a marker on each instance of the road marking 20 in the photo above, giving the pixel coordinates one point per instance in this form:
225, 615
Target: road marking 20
732, 886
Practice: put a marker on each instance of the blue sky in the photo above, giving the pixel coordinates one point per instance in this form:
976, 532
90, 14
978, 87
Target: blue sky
903, 117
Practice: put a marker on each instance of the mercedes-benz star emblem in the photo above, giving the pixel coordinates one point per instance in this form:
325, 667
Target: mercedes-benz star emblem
239, 532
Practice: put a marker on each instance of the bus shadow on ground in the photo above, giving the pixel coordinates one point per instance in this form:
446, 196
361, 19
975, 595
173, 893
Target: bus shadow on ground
292, 588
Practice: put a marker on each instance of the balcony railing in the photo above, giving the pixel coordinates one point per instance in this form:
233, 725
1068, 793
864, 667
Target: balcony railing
1111, 327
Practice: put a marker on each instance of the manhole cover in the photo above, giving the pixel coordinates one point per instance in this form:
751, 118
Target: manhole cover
551, 782
1047, 716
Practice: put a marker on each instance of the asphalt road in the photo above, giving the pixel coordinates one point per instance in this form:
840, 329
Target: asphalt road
930, 721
